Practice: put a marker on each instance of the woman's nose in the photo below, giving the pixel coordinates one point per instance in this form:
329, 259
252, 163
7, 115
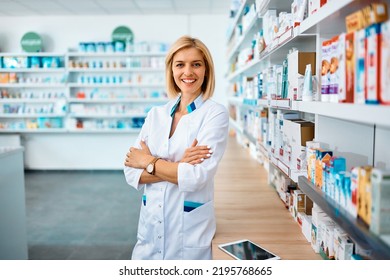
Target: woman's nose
187, 71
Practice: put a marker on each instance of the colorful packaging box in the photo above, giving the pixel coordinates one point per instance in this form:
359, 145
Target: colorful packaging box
384, 92
380, 209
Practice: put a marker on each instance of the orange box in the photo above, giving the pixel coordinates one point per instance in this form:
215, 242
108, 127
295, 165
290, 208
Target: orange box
373, 13
4, 78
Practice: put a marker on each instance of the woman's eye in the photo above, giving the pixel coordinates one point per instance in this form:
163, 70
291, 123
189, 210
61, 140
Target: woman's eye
179, 65
197, 65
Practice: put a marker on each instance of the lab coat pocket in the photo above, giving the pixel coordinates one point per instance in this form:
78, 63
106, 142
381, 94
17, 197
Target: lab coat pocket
199, 226
143, 218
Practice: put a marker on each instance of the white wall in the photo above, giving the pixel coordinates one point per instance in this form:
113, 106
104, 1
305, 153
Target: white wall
64, 151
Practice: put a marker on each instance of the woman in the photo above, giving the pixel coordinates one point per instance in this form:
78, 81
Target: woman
177, 175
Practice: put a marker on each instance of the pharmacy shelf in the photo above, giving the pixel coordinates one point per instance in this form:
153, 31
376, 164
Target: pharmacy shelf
276, 53
235, 125
330, 19
123, 85
248, 35
31, 100
33, 85
115, 54
240, 10
43, 115
119, 100
32, 70
360, 113
41, 54
106, 116
115, 70
279, 5
102, 131
37, 130
355, 228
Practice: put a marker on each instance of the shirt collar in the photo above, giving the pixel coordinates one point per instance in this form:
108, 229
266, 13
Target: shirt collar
191, 107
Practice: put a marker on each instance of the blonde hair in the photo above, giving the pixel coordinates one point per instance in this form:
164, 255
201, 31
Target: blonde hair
185, 42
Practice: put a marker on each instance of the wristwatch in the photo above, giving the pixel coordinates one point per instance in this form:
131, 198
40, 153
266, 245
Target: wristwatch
150, 167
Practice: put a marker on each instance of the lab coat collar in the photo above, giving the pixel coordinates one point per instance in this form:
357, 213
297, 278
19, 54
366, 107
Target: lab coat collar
191, 107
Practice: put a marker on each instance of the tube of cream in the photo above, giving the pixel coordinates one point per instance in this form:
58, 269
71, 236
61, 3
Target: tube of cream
307, 94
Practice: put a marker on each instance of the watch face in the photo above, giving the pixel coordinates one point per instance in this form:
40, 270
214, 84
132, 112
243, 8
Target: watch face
149, 168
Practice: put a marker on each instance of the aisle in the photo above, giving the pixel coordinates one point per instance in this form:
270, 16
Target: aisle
248, 208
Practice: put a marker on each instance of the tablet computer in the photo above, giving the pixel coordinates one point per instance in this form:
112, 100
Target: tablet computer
247, 250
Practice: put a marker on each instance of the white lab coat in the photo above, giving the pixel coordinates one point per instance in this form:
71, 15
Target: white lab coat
167, 229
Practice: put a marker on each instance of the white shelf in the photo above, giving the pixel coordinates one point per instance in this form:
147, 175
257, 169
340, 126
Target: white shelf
123, 85
115, 54
115, 70
276, 54
119, 100
32, 70
16, 116
235, 125
33, 85
244, 37
231, 28
235, 100
24, 54
360, 113
95, 131
37, 130
31, 100
330, 19
279, 5
106, 116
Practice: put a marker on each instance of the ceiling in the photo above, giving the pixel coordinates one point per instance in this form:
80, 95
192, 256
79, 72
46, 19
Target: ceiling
112, 7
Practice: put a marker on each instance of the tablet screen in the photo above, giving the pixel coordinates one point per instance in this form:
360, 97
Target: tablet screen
246, 250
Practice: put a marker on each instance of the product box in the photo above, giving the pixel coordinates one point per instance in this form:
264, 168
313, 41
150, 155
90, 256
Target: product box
317, 214
373, 58
4, 78
380, 209
322, 157
349, 69
341, 69
297, 133
360, 53
325, 223
336, 165
298, 203
297, 62
325, 70
313, 6
354, 192
343, 245
328, 248
311, 147
384, 92
371, 14
306, 226
364, 189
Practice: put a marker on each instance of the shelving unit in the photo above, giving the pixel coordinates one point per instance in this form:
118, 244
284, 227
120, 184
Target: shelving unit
354, 227
93, 105
33, 87
355, 131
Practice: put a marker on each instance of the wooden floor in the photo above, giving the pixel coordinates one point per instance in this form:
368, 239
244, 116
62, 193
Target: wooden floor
248, 208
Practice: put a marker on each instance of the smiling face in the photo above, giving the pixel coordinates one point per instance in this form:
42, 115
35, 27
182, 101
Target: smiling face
189, 70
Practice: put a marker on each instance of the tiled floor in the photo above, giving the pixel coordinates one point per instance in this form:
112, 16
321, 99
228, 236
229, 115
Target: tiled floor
79, 215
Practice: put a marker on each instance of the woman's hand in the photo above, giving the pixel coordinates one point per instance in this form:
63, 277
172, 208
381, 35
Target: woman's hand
196, 154
138, 158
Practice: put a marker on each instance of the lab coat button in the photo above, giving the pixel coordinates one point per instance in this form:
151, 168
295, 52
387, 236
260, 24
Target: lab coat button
159, 251
159, 237
159, 205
